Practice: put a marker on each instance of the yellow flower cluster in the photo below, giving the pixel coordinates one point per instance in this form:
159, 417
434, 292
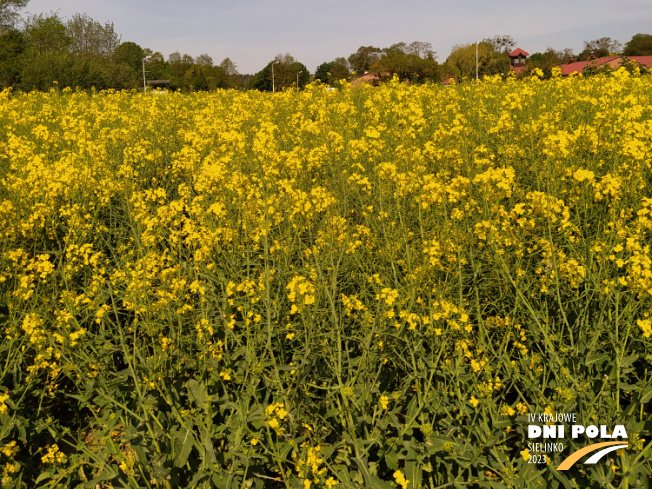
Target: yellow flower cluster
276, 414
53, 455
309, 465
3, 400
301, 292
455, 234
400, 479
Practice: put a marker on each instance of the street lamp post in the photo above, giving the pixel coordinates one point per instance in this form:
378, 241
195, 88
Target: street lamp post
298, 80
476, 61
273, 87
144, 80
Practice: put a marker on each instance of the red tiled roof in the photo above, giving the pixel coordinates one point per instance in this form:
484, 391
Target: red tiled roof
644, 60
613, 61
518, 51
372, 78
578, 66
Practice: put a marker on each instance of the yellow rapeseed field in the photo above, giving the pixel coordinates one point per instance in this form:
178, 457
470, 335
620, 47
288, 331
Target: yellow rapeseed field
365, 287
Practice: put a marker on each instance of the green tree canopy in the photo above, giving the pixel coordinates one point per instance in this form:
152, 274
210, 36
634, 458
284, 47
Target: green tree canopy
229, 67
502, 44
12, 46
204, 60
128, 58
323, 72
547, 60
285, 74
421, 49
40, 70
600, 47
156, 67
180, 65
9, 12
339, 70
230, 71
461, 62
201, 73
46, 33
332, 72
130, 54
91, 38
401, 59
195, 78
364, 58
639, 45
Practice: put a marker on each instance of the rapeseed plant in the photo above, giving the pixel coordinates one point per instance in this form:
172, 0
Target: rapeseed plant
355, 287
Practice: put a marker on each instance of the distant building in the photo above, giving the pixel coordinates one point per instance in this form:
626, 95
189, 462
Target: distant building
612, 61
518, 58
370, 79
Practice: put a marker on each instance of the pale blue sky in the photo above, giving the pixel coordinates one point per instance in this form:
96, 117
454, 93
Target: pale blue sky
252, 32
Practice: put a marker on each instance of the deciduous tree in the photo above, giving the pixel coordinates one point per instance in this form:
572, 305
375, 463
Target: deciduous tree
364, 58
639, 45
600, 48
323, 72
547, 60
204, 60
12, 46
89, 37
504, 44
130, 54
156, 66
286, 71
230, 71
421, 49
401, 59
46, 33
332, 72
9, 12
339, 70
461, 63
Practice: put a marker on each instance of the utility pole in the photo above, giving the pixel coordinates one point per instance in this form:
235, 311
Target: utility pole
273, 87
298, 80
476, 61
144, 80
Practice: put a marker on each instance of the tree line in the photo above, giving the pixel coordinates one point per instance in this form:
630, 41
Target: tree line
81, 52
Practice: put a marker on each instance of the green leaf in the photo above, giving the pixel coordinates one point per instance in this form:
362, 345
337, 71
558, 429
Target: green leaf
42, 477
196, 392
391, 459
412, 471
198, 477
221, 481
371, 481
598, 358
107, 474
413, 409
362, 466
342, 472
562, 478
208, 447
646, 395
182, 446
381, 484
628, 360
